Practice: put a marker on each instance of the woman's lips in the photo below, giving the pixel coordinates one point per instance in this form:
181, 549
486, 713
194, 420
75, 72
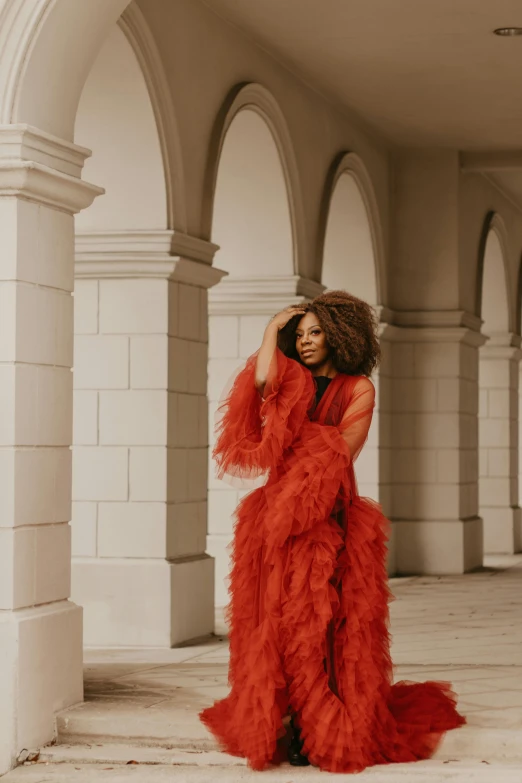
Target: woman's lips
306, 353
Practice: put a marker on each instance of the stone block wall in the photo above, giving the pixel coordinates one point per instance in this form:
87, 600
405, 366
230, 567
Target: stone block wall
434, 434
498, 441
140, 460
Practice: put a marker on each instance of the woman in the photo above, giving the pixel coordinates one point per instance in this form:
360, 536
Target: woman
308, 613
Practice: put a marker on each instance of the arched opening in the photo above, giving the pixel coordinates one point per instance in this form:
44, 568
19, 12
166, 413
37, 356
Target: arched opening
349, 258
115, 120
349, 263
494, 310
498, 398
252, 224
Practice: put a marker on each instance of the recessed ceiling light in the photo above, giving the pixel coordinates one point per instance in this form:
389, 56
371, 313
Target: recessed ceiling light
508, 31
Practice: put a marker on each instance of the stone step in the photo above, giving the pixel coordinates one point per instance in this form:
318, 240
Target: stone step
179, 729
421, 772
91, 723
112, 754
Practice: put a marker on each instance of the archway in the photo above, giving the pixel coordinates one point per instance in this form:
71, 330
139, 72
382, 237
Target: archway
253, 225
351, 262
349, 257
128, 165
140, 459
498, 400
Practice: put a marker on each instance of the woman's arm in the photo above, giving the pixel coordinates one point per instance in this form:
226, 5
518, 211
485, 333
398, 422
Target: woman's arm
265, 356
266, 353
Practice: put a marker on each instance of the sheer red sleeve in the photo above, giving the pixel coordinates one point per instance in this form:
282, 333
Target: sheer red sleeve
358, 417
252, 432
317, 468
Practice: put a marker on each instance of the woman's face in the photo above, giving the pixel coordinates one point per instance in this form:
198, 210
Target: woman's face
311, 344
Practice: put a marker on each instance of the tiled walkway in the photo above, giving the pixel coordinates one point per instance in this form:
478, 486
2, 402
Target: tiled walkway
466, 629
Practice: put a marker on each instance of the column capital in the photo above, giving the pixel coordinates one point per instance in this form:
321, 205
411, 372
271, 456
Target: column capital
261, 295
146, 254
37, 166
502, 345
430, 326
430, 318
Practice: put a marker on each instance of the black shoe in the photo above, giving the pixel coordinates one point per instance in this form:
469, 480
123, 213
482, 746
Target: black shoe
295, 757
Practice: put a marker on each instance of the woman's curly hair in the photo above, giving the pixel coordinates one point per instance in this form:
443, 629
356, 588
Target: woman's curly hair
350, 326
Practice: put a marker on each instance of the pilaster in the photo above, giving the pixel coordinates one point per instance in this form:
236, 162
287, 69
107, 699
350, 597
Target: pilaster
40, 629
140, 569
498, 439
434, 440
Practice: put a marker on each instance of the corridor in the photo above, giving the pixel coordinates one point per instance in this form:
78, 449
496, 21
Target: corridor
141, 706
173, 173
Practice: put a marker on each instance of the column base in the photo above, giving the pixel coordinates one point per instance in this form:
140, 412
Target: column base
41, 673
220, 624
438, 546
502, 530
144, 603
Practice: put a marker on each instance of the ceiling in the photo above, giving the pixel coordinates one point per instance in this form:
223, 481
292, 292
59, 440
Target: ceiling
423, 72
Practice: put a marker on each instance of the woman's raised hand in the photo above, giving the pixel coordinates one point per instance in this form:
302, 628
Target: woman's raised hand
269, 344
281, 319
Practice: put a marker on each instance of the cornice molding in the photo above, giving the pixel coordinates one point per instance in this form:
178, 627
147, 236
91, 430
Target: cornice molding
494, 352
25, 143
146, 243
146, 254
504, 339
430, 318
261, 295
35, 182
428, 326
39, 167
502, 345
399, 334
481, 162
193, 247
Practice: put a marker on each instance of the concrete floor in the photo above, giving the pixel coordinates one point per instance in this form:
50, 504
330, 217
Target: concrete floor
142, 705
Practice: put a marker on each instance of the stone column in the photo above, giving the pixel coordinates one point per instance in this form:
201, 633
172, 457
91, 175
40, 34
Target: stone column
140, 569
40, 629
239, 312
498, 441
434, 442
379, 439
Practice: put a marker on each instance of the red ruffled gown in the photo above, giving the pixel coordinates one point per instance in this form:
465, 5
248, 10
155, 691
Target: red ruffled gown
308, 614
